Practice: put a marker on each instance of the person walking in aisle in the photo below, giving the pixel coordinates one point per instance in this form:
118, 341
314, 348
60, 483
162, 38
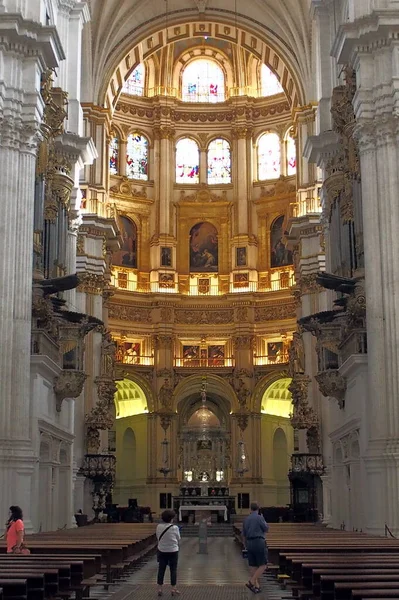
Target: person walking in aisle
253, 534
168, 536
15, 531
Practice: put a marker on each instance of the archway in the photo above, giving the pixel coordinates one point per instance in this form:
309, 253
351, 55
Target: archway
277, 445
130, 441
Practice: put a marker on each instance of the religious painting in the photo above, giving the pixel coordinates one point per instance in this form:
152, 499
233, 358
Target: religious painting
241, 256
240, 280
275, 352
127, 255
122, 280
166, 280
280, 255
166, 257
131, 353
113, 156
191, 355
204, 248
216, 356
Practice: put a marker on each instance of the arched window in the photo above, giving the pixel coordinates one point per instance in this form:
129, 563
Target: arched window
137, 156
114, 156
219, 162
291, 155
135, 84
187, 161
269, 156
270, 85
203, 81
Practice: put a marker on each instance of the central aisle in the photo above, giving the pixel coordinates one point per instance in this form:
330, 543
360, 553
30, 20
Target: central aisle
222, 565
219, 575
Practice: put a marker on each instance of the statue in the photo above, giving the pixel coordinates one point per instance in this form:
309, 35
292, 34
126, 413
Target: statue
241, 391
165, 395
296, 355
108, 352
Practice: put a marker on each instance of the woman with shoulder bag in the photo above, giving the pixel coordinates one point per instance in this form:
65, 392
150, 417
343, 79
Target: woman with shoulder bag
168, 536
15, 531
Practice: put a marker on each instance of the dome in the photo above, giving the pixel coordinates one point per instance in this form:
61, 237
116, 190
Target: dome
277, 400
203, 417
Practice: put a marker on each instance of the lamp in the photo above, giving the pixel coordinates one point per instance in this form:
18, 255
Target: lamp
165, 468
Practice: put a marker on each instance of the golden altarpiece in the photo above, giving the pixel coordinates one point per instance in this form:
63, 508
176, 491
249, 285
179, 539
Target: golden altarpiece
199, 172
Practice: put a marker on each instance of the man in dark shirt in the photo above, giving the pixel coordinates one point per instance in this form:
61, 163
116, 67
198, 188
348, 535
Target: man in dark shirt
253, 533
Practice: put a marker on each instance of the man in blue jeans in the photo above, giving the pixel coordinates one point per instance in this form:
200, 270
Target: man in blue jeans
253, 534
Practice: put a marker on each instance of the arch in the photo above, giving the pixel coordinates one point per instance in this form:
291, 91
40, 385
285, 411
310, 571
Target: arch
269, 156
149, 37
219, 161
137, 156
263, 385
204, 247
187, 161
130, 399
280, 455
277, 399
280, 255
215, 386
203, 80
135, 83
126, 256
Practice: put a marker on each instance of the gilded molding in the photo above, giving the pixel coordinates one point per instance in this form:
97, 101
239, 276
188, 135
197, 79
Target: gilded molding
126, 312
274, 312
211, 317
91, 283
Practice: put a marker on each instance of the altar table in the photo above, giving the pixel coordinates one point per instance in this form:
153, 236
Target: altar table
204, 508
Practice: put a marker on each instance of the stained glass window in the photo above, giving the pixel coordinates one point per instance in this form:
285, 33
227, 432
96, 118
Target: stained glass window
291, 155
135, 84
269, 156
219, 162
270, 85
137, 156
203, 81
113, 156
187, 161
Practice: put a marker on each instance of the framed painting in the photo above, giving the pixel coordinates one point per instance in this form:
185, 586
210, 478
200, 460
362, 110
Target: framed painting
131, 353
241, 256
166, 256
204, 248
216, 355
280, 255
127, 255
275, 351
191, 355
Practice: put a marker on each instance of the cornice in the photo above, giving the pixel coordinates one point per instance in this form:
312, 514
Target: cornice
32, 37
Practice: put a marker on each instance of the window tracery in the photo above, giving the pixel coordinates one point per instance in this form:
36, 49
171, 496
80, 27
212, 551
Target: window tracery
269, 156
137, 156
219, 162
187, 161
203, 81
270, 85
114, 156
135, 84
291, 155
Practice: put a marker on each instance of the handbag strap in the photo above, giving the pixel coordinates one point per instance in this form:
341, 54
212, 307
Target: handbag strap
163, 533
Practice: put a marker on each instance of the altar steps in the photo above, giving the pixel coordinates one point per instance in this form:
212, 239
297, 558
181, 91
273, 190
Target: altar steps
214, 530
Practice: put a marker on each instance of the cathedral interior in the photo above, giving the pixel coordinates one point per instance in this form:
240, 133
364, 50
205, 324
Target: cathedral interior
201, 307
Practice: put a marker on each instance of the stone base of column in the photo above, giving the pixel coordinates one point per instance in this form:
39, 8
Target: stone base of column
17, 476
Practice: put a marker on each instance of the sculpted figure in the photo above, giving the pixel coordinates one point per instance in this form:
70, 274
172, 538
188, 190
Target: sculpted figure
165, 395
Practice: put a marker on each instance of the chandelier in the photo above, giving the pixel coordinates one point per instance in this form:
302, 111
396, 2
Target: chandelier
242, 459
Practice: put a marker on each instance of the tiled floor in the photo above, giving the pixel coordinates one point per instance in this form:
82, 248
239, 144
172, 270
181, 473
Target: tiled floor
219, 575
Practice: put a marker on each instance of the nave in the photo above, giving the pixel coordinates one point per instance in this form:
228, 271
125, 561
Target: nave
118, 562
